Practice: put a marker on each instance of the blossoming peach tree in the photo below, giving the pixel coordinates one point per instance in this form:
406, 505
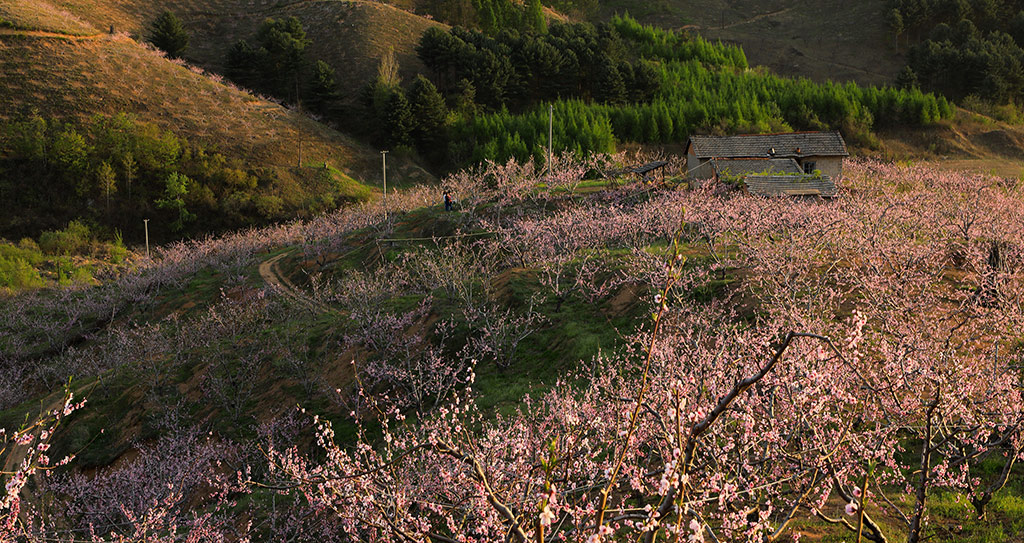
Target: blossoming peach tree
863, 328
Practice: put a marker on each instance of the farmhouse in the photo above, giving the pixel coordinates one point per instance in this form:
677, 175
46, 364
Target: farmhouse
766, 153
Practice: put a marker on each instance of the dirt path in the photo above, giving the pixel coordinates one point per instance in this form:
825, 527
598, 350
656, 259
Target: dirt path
270, 271
753, 19
46, 34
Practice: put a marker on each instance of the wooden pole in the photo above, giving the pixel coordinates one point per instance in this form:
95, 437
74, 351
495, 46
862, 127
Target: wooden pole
384, 162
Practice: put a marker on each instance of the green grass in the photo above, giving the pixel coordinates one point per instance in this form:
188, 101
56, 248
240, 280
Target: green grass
957, 519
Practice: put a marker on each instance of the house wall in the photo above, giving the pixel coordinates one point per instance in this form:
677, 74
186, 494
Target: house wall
831, 166
697, 168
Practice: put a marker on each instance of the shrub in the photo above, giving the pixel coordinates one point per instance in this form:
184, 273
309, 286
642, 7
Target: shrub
17, 274
117, 250
73, 239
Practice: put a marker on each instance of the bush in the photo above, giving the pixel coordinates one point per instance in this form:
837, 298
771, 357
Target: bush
75, 239
117, 250
18, 274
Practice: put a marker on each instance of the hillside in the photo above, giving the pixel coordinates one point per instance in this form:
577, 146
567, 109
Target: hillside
78, 77
352, 36
821, 40
57, 66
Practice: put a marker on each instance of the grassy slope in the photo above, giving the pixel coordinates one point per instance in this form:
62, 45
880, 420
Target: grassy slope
75, 77
42, 16
123, 405
969, 142
351, 36
819, 39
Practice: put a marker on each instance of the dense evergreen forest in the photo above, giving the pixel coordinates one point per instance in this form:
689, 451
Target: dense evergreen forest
277, 64
489, 89
965, 49
625, 82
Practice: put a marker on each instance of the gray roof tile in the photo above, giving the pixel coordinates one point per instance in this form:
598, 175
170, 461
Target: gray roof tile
793, 144
746, 166
790, 185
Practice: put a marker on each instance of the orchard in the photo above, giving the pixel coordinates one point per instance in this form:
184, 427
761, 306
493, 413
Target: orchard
769, 369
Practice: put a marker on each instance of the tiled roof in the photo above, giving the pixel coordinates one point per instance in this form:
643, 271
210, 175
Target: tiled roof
790, 185
649, 167
793, 144
745, 166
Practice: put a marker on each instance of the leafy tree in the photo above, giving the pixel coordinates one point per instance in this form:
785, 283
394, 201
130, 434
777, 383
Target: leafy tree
70, 153
168, 34
130, 168
27, 138
175, 188
106, 181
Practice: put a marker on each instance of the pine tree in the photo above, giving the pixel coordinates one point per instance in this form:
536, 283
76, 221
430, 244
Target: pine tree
907, 78
283, 50
398, 120
428, 113
169, 35
534, 18
895, 20
465, 99
243, 65
611, 89
323, 89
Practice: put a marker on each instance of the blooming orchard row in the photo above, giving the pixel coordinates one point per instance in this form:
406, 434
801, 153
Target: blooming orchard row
867, 353
801, 358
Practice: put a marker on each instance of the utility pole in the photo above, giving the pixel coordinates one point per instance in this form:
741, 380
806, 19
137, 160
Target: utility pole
298, 104
384, 162
145, 222
551, 133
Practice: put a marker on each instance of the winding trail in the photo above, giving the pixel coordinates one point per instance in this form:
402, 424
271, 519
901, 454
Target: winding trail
48, 34
755, 18
270, 271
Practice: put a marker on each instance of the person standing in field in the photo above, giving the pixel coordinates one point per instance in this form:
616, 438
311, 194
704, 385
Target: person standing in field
447, 201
